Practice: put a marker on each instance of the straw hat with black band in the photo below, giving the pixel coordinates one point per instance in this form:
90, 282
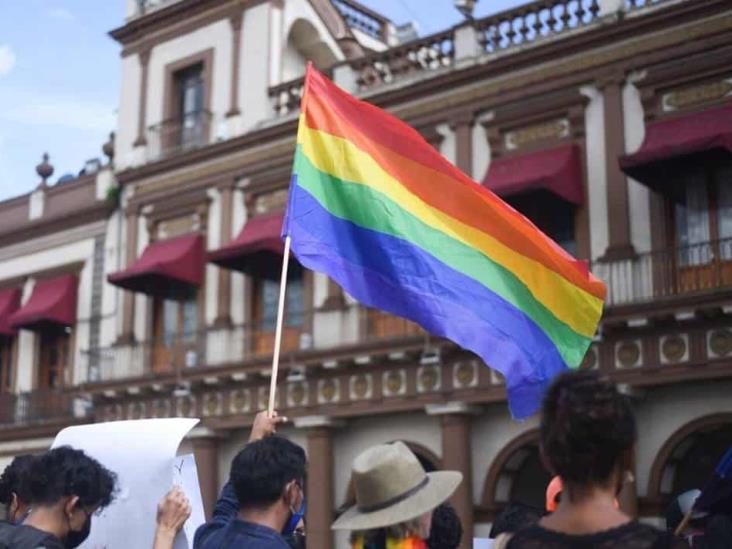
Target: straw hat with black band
392, 487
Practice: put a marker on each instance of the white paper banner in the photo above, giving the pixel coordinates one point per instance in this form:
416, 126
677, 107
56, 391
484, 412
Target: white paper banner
143, 455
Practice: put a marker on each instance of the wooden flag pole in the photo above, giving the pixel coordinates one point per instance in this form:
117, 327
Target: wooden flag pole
278, 329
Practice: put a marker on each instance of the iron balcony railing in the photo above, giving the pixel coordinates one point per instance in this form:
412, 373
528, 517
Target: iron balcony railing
39, 406
696, 269
176, 135
248, 343
510, 30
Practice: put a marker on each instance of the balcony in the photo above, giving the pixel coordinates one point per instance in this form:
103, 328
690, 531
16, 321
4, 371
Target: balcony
178, 135
361, 18
249, 346
39, 406
513, 30
696, 270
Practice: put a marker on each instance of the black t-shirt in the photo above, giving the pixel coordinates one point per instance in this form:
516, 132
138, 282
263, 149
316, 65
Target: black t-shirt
26, 537
628, 536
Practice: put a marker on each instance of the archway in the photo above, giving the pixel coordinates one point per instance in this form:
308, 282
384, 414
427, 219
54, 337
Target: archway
688, 458
304, 44
516, 475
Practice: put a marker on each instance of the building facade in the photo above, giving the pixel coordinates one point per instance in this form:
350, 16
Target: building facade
148, 287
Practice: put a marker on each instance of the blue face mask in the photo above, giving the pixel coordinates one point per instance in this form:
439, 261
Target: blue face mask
295, 520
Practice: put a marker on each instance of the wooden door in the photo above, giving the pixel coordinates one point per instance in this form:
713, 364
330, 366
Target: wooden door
6, 364
165, 325
54, 357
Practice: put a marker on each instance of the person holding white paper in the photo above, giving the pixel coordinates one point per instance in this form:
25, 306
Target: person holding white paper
173, 511
66, 488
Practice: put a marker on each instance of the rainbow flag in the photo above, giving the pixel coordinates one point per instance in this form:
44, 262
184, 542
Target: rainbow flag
377, 209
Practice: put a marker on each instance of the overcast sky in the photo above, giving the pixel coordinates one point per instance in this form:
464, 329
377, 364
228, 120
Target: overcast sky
60, 72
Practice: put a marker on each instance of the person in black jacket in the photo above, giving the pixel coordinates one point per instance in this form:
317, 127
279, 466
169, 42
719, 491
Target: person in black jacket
66, 488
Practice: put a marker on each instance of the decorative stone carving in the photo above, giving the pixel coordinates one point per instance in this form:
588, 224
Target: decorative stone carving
429, 379
360, 387
465, 374
328, 391
696, 95
177, 226
674, 348
239, 401
719, 343
628, 354
263, 397
394, 383
187, 406
297, 394
554, 129
212, 404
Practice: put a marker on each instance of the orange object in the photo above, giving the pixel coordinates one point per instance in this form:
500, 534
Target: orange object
554, 491
552, 494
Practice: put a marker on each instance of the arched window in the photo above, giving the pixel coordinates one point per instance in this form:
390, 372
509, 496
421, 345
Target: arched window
689, 457
304, 44
517, 475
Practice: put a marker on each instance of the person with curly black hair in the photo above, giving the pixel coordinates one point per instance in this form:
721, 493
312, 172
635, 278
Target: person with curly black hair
446, 530
66, 487
14, 493
588, 434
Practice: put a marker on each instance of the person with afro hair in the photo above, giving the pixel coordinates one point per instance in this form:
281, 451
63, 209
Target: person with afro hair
14, 492
587, 437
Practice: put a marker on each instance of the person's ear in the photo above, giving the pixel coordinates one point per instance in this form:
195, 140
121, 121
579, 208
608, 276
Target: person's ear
13, 507
70, 506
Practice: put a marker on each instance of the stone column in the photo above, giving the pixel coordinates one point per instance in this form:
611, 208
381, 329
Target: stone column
618, 211
235, 20
462, 125
320, 487
223, 304
144, 57
455, 418
206, 451
128, 298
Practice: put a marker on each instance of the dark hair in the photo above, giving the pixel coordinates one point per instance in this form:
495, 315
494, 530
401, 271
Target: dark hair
14, 480
515, 517
262, 469
587, 428
446, 530
64, 472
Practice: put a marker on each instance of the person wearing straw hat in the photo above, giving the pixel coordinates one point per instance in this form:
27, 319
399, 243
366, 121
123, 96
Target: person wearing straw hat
394, 499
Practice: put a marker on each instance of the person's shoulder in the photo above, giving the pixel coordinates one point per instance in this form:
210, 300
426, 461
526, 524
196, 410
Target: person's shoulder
27, 537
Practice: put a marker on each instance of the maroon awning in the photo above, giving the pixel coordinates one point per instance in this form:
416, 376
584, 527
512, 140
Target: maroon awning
558, 170
52, 303
256, 250
9, 303
168, 268
670, 143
